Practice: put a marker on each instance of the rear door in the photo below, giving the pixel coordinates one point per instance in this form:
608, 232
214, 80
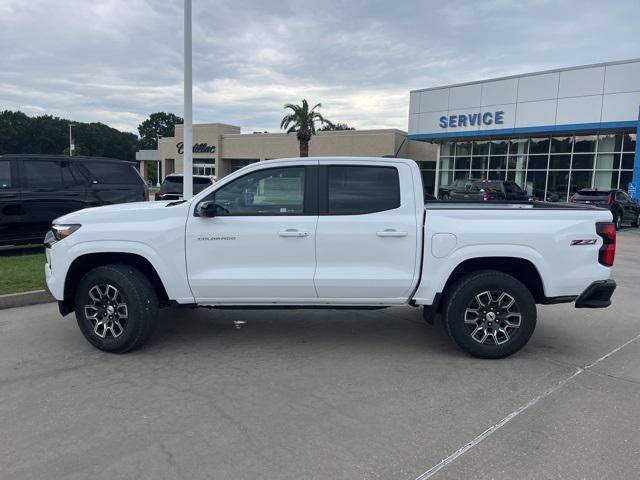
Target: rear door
50, 189
11, 212
367, 236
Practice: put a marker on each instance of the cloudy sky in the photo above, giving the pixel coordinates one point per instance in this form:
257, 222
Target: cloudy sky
116, 61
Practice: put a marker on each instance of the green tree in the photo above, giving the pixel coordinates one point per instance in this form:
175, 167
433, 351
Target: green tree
303, 120
46, 134
158, 124
335, 127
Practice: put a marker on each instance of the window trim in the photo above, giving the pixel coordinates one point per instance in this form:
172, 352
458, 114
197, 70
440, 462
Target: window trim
323, 178
309, 195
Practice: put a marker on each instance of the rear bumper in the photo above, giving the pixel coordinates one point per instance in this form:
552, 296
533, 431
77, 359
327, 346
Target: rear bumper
597, 295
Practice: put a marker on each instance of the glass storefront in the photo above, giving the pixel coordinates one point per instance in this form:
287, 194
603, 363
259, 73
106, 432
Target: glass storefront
544, 166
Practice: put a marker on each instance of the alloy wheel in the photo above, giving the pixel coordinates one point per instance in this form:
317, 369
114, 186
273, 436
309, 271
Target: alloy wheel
492, 317
106, 310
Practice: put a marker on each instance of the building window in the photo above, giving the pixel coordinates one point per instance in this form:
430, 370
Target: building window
547, 166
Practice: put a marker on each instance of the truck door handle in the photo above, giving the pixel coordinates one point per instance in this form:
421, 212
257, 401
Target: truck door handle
390, 232
292, 232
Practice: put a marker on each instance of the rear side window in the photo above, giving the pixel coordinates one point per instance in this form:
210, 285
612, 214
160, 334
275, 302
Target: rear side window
5, 174
355, 190
111, 173
42, 174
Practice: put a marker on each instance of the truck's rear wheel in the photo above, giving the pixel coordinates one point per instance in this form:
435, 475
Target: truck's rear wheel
490, 314
116, 307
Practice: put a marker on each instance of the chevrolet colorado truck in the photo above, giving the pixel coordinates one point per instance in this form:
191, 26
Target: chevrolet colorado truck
330, 233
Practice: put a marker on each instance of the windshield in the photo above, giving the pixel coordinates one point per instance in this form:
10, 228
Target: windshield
174, 184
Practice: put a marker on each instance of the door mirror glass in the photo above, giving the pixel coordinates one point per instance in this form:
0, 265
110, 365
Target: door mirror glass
210, 209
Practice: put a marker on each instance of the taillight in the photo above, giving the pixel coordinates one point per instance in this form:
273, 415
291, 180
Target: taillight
607, 251
157, 195
609, 200
485, 197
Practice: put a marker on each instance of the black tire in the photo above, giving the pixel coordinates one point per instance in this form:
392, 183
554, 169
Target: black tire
617, 220
136, 320
636, 222
503, 341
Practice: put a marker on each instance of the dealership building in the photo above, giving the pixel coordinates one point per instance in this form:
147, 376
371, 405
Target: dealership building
219, 149
552, 132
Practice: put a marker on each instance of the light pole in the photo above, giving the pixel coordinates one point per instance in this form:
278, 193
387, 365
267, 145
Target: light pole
158, 137
187, 159
71, 145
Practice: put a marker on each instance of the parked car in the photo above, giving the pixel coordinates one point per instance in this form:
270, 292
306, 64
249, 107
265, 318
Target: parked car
623, 208
171, 186
35, 189
330, 232
483, 190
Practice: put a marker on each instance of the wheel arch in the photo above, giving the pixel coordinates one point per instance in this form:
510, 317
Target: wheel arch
84, 263
519, 268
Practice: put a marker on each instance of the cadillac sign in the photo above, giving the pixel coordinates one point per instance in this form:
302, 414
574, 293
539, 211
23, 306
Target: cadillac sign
197, 148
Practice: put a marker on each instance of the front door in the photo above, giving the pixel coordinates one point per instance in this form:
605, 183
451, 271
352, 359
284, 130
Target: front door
261, 243
367, 236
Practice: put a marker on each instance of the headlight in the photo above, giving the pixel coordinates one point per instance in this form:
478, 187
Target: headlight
60, 232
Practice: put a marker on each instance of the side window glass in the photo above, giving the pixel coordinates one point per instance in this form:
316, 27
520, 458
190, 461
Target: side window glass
70, 176
113, 173
275, 191
5, 174
619, 197
42, 173
355, 190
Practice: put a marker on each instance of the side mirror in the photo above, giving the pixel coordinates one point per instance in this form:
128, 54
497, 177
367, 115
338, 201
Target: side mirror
207, 209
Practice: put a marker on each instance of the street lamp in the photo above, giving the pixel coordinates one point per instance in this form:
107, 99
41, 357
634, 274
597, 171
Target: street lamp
71, 145
187, 159
158, 137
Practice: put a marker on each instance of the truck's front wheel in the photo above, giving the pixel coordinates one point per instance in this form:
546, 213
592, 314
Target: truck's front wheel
116, 307
490, 314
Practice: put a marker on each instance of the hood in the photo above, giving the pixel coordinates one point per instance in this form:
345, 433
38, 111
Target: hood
122, 211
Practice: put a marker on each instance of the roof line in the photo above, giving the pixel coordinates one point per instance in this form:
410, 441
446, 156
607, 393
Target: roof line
529, 74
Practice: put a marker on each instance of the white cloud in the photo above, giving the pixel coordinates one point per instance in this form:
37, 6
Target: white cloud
116, 61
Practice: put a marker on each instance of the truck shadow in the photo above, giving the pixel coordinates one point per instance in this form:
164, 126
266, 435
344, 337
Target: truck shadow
397, 327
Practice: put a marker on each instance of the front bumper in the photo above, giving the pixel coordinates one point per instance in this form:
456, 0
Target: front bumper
597, 295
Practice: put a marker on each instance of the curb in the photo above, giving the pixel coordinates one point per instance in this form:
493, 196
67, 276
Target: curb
23, 299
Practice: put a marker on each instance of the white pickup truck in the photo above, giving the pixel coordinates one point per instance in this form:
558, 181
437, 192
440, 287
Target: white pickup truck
330, 233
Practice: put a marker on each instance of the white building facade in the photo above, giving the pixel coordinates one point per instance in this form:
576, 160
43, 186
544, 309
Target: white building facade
551, 132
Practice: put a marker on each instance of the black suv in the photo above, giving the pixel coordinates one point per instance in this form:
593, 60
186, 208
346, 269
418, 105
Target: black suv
623, 208
35, 189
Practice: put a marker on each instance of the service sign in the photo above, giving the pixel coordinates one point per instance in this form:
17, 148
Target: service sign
472, 119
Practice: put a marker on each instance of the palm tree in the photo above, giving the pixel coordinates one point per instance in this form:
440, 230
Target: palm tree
303, 122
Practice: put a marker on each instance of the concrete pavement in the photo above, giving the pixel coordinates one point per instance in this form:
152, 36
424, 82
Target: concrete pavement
322, 394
